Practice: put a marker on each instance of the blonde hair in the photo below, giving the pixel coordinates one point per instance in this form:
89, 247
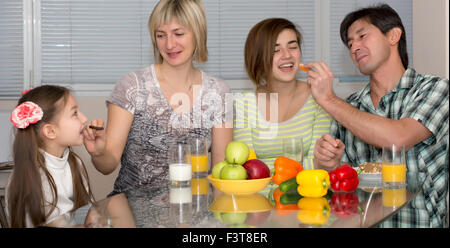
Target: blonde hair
189, 13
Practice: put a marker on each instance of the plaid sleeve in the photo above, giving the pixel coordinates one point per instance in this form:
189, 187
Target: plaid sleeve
430, 106
337, 132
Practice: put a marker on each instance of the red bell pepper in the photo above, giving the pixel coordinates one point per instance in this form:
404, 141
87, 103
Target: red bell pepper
344, 205
344, 178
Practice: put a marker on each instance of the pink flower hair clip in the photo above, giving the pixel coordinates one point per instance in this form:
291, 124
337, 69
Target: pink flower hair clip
25, 114
26, 91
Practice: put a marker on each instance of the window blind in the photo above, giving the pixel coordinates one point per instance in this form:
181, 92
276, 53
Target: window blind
230, 21
11, 48
98, 41
340, 61
93, 41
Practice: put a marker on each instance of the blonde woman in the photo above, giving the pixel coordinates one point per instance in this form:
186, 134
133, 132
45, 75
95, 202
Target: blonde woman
166, 102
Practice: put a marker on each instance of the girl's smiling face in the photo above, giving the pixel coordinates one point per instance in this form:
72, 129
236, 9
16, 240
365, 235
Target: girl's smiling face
286, 57
70, 124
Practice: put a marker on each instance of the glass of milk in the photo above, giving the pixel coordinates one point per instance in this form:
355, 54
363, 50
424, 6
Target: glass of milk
180, 208
180, 168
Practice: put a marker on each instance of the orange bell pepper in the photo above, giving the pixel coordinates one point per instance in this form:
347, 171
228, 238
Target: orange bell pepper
282, 209
285, 168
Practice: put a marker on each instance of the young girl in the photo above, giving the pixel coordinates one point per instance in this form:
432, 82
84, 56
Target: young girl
48, 179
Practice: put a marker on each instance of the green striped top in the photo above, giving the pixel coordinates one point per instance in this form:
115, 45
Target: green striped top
265, 138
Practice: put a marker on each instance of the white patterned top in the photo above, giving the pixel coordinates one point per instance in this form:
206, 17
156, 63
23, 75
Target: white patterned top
156, 124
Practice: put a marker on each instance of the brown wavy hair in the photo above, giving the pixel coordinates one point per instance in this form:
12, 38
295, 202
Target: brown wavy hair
25, 193
259, 47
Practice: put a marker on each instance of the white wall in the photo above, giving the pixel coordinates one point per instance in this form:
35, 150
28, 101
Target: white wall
430, 36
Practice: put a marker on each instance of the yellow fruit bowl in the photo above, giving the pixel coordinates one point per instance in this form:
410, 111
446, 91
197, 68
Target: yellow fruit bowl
239, 187
251, 203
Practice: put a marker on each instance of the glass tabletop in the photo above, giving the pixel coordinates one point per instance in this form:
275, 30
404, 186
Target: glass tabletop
200, 205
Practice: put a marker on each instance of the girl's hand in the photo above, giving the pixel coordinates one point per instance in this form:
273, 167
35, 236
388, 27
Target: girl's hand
94, 138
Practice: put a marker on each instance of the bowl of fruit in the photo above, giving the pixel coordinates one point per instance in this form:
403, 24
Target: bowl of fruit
241, 173
241, 210
240, 203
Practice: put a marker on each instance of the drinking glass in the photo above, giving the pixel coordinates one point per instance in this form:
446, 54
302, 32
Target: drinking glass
394, 197
293, 148
180, 169
199, 157
393, 166
180, 208
200, 190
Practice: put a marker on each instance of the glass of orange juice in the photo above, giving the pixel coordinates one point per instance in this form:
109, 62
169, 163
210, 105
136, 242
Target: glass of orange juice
199, 157
394, 197
393, 167
200, 190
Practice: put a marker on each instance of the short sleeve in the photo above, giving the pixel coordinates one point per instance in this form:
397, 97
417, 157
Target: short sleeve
430, 106
224, 113
125, 93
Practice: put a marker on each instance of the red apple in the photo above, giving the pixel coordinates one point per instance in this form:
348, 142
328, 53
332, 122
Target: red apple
256, 219
256, 169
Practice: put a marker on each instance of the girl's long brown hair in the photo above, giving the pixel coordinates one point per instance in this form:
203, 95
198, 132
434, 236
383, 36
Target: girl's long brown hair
25, 194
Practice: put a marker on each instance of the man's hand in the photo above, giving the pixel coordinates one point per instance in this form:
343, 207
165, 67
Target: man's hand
320, 79
328, 152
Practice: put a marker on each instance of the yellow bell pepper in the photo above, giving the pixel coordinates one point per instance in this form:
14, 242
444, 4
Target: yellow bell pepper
313, 211
313, 183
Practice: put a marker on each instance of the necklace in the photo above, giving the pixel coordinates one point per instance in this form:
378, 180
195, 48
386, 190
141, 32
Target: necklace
180, 102
183, 86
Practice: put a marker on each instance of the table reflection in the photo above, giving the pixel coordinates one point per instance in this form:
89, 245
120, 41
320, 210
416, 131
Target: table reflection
197, 206
112, 212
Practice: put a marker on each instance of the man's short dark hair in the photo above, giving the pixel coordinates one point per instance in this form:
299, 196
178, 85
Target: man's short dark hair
384, 18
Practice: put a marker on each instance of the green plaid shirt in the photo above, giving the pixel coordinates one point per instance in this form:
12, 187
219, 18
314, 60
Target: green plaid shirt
426, 99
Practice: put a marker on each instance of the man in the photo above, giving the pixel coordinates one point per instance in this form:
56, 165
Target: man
398, 106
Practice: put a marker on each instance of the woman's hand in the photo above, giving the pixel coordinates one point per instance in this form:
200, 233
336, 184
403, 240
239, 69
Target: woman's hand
94, 138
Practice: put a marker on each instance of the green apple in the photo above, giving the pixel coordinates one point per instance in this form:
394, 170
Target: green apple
236, 152
233, 172
217, 168
234, 218
242, 225
218, 216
